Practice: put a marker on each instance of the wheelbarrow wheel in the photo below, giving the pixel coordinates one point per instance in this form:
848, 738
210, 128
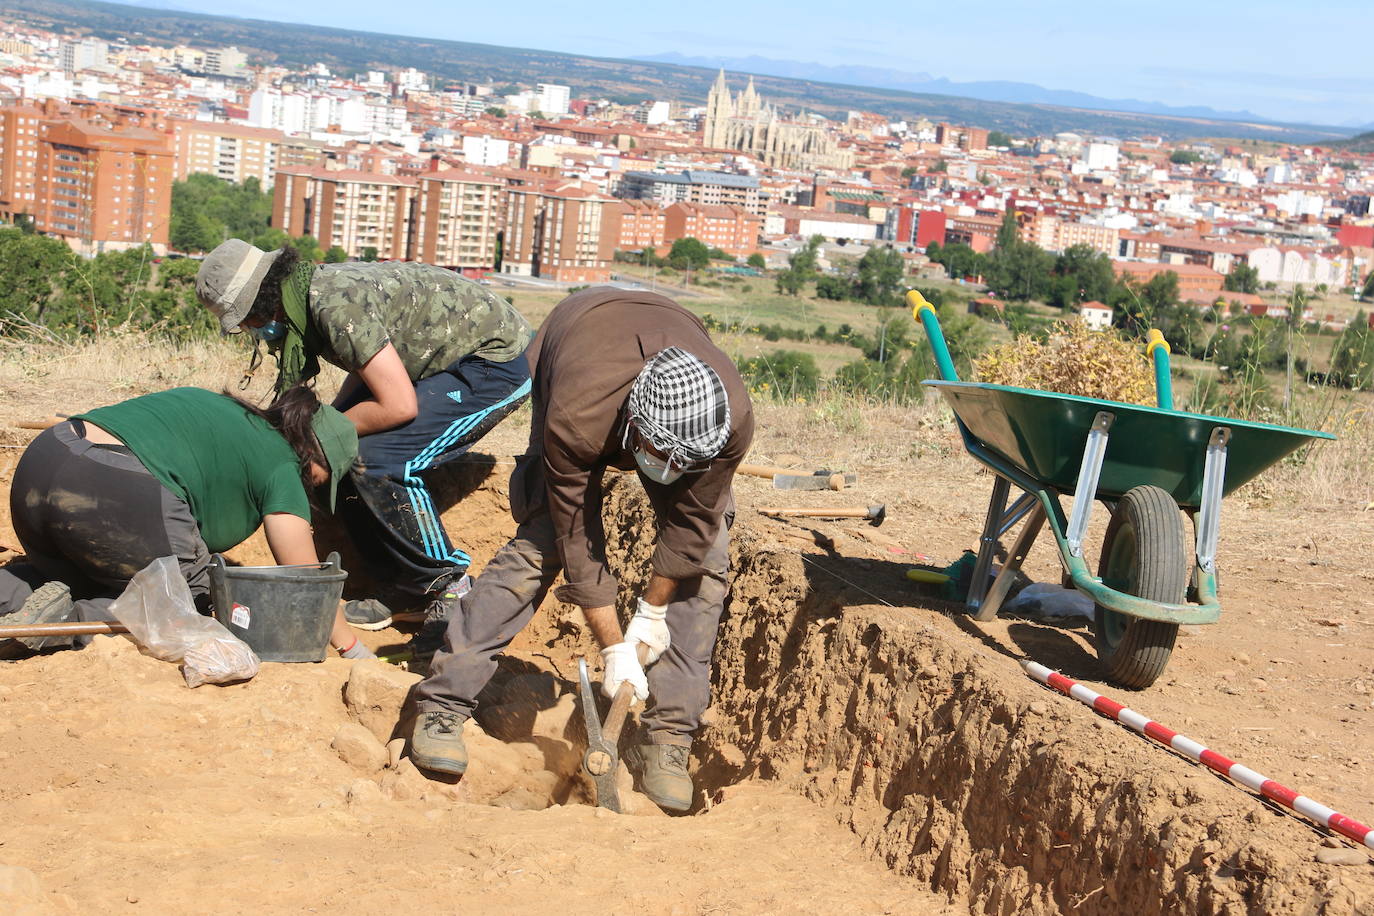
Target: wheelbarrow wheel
1142, 555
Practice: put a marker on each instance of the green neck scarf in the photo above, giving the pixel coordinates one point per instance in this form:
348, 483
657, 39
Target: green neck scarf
298, 359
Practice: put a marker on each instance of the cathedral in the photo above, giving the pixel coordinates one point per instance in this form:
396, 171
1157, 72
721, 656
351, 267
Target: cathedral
746, 123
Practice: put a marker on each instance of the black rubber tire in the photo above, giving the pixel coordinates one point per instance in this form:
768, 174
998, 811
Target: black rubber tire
1142, 555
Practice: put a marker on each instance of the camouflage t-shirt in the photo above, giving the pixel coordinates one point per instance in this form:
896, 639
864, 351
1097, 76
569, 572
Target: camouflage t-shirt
432, 316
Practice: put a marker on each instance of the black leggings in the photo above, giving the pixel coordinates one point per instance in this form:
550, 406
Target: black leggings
92, 515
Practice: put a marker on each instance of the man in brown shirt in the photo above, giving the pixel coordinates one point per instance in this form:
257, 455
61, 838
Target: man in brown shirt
622, 379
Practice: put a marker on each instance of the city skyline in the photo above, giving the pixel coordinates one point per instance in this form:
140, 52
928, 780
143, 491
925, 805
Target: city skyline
1210, 55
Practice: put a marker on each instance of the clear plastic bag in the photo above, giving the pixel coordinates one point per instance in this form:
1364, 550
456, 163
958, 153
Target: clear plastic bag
161, 617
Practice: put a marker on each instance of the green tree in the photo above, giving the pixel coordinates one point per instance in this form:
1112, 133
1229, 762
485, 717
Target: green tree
1368, 290
757, 261
910, 171
1242, 279
308, 248
801, 267
1009, 233
998, 138
495, 112
940, 166
690, 253
335, 255
206, 210
833, 287
880, 276
1185, 157
271, 239
1161, 292
369, 253
1082, 274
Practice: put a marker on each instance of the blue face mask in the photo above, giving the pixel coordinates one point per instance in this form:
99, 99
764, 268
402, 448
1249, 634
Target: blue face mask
271, 332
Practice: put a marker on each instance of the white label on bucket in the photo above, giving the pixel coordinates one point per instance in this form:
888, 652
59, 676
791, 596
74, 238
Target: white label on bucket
239, 616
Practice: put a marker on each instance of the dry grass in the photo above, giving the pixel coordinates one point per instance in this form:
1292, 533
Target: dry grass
1073, 360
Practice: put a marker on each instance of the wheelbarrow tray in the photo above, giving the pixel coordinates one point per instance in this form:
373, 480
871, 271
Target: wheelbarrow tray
1042, 434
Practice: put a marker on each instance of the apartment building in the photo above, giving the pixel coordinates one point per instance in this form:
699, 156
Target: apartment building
641, 225
733, 230
19, 125
560, 231
457, 220
234, 152
102, 188
694, 186
354, 210
1054, 234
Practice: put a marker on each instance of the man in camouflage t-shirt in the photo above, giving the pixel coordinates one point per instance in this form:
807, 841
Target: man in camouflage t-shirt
434, 361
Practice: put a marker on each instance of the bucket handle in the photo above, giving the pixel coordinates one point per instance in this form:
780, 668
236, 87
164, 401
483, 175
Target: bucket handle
332, 560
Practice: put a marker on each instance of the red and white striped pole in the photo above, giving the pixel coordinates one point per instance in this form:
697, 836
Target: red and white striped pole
1186, 746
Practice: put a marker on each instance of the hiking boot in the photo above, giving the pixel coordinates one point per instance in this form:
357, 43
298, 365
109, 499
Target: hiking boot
436, 743
51, 602
367, 614
660, 772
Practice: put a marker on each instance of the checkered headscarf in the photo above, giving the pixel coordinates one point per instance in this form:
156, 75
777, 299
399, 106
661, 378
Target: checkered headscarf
678, 403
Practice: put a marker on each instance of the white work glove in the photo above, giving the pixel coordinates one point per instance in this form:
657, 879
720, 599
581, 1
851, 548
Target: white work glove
622, 666
649, 628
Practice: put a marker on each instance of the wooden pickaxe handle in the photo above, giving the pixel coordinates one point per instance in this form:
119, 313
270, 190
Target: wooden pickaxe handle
40, 424
817, 513
76, 628
620, 705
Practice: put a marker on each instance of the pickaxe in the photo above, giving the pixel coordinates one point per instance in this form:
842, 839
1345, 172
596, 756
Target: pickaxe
603, 738
874, 514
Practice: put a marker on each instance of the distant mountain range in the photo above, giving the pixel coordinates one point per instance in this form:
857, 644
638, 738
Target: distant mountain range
991, 90
628, 81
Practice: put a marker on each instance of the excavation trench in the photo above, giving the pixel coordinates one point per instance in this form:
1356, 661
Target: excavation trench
954, 768
833, 678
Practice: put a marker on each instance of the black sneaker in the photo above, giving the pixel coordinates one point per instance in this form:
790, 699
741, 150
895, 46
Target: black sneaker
51, 602
367, 614
439, 612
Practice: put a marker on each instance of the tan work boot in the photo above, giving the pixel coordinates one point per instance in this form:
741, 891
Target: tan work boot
436, 743
660, 772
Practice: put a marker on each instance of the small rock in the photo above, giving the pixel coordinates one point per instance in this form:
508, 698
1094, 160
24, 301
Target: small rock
364, 792
930, 671
1037, 708
1343, 856
19, 889
359, 748
1226, 674
1241, 658
375, 694
1332, 842
395, 749
404, 783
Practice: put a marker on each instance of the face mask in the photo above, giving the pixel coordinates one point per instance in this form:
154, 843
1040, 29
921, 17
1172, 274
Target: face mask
271, 332
656, 469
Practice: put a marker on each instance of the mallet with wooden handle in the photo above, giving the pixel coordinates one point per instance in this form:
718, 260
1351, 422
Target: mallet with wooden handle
786, 479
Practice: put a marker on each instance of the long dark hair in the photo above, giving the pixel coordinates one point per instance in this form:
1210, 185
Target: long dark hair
268, 301
290, 414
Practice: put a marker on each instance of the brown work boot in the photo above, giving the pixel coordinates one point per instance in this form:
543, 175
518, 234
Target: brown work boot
436, 743
660, 772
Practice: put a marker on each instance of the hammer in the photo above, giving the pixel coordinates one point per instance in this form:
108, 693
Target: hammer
874, 514
784, 479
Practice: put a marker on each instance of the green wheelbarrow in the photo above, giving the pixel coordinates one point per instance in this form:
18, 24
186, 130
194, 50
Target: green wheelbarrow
1145, 464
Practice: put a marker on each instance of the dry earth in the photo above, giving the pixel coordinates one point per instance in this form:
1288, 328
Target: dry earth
845, 696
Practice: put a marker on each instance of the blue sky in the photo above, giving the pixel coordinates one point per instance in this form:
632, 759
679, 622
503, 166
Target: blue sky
1290, 61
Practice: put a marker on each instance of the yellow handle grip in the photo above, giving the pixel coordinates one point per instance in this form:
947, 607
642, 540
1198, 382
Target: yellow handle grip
1156, 339
927, 575
918, 303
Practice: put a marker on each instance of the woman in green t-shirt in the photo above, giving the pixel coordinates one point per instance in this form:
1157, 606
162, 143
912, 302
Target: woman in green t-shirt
185, 473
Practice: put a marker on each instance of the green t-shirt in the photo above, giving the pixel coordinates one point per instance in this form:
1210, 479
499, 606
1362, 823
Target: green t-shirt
432, 316
230, 466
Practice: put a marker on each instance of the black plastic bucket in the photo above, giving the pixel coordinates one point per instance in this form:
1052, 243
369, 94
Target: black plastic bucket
284, 613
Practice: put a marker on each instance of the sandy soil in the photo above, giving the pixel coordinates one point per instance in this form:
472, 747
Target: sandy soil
845, 695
